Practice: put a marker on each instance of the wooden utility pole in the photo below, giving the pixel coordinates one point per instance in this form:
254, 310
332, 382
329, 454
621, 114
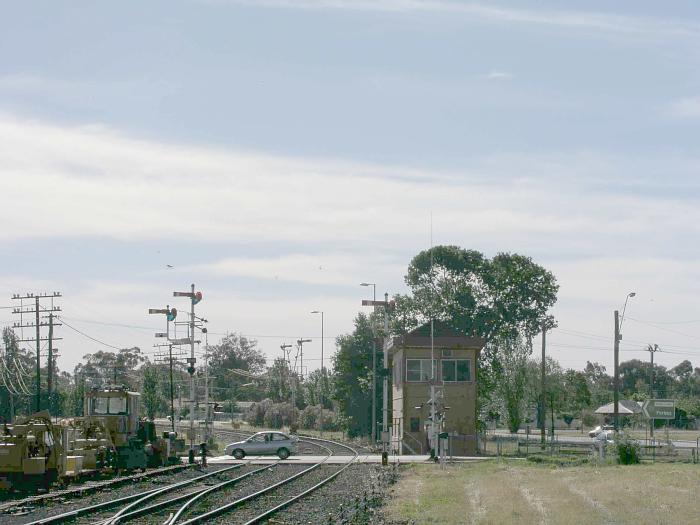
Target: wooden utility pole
543, 399
172, 391
38, 356
49, 365
616, 383
652, 350
25, 309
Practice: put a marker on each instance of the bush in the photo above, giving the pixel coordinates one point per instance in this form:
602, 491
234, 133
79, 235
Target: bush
588, 418
558, 460
628, 452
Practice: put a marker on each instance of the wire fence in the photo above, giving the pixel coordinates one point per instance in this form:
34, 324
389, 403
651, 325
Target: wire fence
524, 446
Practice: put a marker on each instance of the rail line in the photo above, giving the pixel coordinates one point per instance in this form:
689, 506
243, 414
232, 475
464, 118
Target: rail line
88, 487
140, 497
145, 503
293, 499
227, 507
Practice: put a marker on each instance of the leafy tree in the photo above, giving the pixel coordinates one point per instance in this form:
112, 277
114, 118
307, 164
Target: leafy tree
508, 294
108, 368
682, 375
318, 389
599, 383
235, 352
352, 364
577, 396
278, 381
635, 376
152, 397
512, 378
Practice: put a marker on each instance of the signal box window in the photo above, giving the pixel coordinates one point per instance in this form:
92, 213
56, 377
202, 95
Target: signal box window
456, 370
415, 424
418, 370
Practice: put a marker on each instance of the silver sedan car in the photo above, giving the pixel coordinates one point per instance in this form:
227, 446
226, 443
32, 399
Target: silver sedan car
263, 443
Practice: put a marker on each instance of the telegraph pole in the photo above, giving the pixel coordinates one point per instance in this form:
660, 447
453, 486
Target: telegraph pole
285, 347
543, 400
385, 377
301, 342
652, 350
49, 365
23, 310
195, 297
385, 369
616, 384
172, 393
374, 364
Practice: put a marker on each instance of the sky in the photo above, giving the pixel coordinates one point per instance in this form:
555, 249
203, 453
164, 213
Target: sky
277, 153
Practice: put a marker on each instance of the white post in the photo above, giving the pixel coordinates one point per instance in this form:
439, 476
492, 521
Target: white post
192, 387
385, 382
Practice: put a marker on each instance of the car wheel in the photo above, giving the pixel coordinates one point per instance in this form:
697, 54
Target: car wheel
283, 453
238, 454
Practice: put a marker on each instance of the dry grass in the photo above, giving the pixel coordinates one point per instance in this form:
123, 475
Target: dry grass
498, 492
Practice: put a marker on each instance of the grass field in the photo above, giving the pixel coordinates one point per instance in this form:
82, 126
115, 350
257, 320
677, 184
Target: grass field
520, 492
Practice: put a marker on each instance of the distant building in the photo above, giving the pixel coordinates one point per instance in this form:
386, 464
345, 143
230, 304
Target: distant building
456, 357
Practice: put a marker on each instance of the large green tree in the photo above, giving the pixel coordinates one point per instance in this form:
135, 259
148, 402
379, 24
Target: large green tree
503, 298
108, 368
233, 353
507, 295
511, 378
352, 366
153, 397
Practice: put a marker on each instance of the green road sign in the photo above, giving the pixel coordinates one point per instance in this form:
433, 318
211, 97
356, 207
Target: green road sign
659, 408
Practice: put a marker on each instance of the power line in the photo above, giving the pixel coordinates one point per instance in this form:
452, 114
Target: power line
92, 338
662, 328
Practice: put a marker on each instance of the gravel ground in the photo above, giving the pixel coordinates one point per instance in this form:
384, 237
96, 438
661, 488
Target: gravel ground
52, 507
352, 497
356, 491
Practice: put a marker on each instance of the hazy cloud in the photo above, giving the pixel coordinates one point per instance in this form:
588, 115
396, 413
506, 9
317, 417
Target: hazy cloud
597, 21
685, 108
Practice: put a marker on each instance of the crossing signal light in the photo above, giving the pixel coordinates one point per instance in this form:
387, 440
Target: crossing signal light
196, 297
172, 314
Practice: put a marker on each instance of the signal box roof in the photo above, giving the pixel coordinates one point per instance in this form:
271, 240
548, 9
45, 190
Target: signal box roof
444, 336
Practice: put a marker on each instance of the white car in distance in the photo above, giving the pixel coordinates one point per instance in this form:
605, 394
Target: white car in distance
264, 443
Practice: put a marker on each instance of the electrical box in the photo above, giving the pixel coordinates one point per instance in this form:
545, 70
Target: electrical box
74, 465
34, 465
386, 436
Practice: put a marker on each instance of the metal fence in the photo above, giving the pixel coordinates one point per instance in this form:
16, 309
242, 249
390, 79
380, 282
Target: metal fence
522, 446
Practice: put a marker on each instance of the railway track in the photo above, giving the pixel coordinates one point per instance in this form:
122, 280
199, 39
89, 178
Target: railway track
272, 502
86, 487
240, 493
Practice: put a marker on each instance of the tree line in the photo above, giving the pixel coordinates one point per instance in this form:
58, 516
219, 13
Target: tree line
504, 299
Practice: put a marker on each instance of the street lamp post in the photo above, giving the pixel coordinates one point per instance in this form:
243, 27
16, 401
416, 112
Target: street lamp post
374, 369
323, 372
618, 338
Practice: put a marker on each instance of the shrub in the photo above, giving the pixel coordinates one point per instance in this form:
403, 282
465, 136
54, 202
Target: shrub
588, 418
628, 452
558, 460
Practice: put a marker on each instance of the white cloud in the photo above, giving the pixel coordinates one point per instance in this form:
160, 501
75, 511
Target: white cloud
334, 223
323, 268
685, 108
639, 26
498, 75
